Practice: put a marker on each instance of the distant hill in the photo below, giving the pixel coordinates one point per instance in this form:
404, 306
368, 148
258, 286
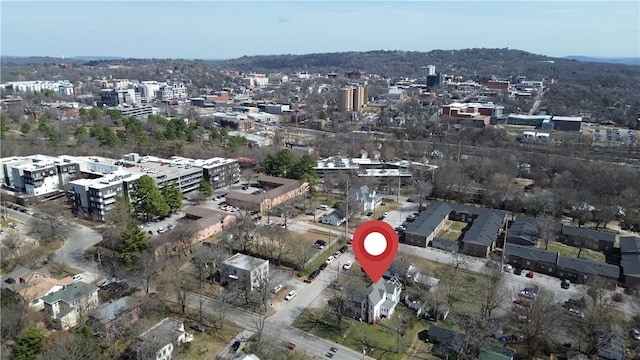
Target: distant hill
96, 58
624, 61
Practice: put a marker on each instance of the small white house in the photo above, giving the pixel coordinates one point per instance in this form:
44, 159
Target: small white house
381, 301
366, 198
336, 218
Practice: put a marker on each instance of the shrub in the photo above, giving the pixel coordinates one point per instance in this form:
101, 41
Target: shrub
617, 297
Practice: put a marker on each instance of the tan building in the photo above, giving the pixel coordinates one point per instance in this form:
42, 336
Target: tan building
345, 99
245, 272
277, 191
71, 304
352, 98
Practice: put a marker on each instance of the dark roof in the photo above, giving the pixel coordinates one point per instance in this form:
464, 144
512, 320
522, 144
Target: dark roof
70, 293
446, 337
630, 244
539, 223
111, 310
524, 230
445, 244
590, 233
485, 226
586, 266
630, 264
425, 224
530, 253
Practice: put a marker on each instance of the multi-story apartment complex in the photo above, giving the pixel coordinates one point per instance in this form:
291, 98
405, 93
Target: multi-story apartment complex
93, 183
170, 92
37, 175
427, 70
255, 80
115, 97
137, 111
62, 87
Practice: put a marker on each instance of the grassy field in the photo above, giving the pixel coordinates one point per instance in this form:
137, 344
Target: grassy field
381, 341
457, 225
571, 251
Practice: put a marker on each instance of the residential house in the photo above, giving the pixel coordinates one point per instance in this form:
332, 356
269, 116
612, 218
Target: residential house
446, 343
33, 292
630, 260
366, 198
247, 357
21, 277
244, 271
115, 316
158, 342
208, 222
381, 300
71, 304
335, 218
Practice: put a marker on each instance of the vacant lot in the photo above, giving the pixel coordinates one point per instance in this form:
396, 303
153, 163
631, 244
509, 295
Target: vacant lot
571, 251
209, 344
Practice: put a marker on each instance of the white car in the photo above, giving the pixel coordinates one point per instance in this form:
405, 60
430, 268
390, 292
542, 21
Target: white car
385, 215
290, 295
77, 278
347, 265
277, 288
635, 333
330, 260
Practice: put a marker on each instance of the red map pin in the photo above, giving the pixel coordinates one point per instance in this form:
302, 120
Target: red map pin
375, 245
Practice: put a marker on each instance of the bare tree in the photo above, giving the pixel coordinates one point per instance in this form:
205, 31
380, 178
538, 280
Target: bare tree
182, 287
546, 232
182, 237
48, 230
72, 346
493, 294
259, 322
594, 329
13, 244
539, 322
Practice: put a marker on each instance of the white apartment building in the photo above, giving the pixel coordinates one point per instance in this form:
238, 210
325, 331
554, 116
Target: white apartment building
169, 92
62, 87
36, 175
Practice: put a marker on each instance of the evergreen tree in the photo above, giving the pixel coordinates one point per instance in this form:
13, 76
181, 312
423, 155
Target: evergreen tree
279, 165
148, 199
205, 188
28, 345
132, 242
172, 197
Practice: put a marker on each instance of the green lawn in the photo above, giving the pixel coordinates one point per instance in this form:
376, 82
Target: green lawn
380, 340
457, 225
571, 251
451, 235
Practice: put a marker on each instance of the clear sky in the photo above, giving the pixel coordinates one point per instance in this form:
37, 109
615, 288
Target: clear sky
229, 29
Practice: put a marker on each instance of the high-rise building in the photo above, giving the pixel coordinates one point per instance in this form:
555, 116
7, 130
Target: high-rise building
428, 70
358, 98
345, 99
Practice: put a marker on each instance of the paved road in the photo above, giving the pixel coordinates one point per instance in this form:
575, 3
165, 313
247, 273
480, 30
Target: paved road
80, 239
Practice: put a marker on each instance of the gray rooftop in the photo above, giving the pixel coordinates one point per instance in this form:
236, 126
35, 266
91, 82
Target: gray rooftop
586, 266
630, 264
425, 224
70, 293
630, 244
530, 253
590, 233
111, 310
378, 290
164, 332
524, 230
485, 227
244, 262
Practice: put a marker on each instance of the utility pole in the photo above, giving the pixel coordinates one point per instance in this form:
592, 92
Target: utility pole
346, 227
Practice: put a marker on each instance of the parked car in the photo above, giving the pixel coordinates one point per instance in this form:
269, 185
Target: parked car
290, 295
77, 278
508, 268
329, 260
517, 271
576, 312
337, 254
170, 226
277, 288
565, 284
198, 327
350, 242
530, 274
235, 346
343, 249
289, 345
319, 244
104, 284
635, 333
323, 266
347, 265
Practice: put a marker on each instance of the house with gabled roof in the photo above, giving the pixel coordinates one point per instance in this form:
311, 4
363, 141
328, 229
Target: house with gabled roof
446, 343
381, 300
366, 198
523, 233
159, 341
593, 239
71, 304
115, 316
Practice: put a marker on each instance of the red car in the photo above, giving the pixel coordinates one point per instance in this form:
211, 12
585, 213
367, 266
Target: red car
530, 274
350, 241
289, 345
